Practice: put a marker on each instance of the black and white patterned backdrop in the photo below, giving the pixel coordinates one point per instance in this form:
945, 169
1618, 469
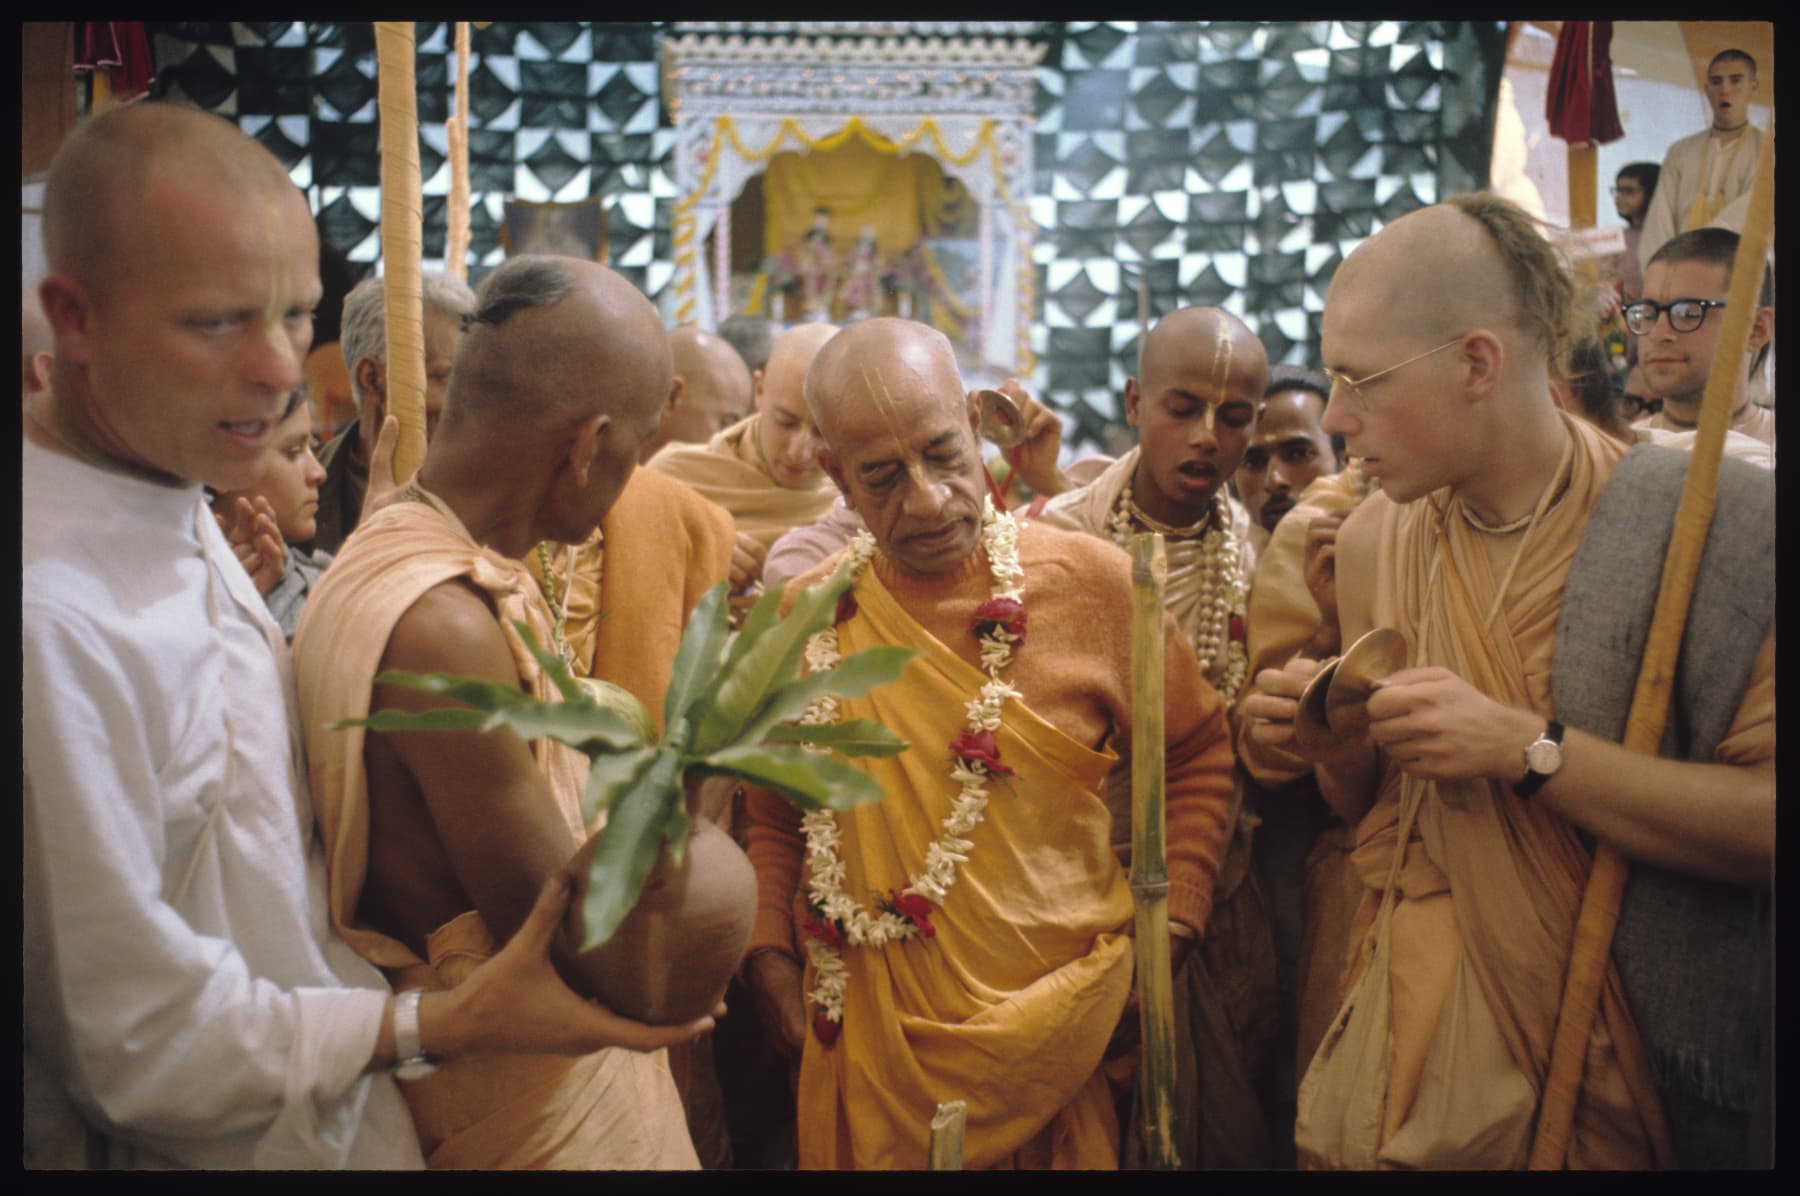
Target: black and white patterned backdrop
1183, 162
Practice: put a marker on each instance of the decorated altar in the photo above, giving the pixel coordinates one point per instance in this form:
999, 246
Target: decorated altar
892, 173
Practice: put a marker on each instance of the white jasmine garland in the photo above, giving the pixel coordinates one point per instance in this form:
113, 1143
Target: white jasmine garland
861, 927
1224, 590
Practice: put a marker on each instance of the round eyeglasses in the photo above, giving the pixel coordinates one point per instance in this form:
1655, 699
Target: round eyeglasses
1355, 385
1685, 315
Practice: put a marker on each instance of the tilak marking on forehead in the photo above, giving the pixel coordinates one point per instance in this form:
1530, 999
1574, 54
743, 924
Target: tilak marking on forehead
1222, 361
884, 403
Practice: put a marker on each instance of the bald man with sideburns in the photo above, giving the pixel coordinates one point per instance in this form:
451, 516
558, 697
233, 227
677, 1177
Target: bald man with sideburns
764, 469
436, 841
1008, 988
185, 1001
1508, 544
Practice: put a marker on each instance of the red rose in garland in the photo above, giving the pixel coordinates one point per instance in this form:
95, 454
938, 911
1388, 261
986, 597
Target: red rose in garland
1007, 614
825, 930
915, 909
825, 1028
978, 747
846, 608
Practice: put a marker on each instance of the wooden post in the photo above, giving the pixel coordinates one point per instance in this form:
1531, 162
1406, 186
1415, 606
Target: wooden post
947, 1126
1599, 916
401, 213
1149, 859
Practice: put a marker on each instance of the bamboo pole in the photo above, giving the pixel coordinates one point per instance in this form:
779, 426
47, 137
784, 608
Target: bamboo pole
456, 130
401, 213
947, 1126
1149, 860
1599, 915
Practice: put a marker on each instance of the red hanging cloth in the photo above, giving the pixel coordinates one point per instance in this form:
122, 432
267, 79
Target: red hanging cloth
120, 48
1579, 101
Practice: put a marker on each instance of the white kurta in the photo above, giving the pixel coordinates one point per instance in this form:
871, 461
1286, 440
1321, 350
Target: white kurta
1691, 166
181, 984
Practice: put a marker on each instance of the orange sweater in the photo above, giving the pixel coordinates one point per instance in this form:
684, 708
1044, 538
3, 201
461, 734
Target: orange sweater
1074, 669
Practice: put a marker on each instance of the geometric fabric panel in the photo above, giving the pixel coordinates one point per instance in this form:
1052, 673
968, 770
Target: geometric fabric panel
1176, 162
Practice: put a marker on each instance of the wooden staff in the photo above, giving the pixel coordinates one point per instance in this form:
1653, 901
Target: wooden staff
456, 130
1592, 948
1149, 860
947, 1126
401, 213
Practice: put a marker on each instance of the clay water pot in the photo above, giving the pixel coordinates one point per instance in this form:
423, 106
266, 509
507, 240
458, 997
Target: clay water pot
672, 956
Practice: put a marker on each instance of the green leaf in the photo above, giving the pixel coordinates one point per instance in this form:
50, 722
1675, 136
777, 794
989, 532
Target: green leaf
762, 616
808, 779
677, 828
629, 846
471, 691
583, 726
444, 718
854, 676
858, 737
552, 664
772, 661
697, 660
608, 777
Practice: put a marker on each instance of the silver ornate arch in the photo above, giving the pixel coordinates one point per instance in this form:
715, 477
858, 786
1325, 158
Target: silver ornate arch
967, 101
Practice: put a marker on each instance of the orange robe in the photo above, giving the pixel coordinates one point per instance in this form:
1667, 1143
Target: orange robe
729, 469
611, 1109
1490, 883
1010, 1005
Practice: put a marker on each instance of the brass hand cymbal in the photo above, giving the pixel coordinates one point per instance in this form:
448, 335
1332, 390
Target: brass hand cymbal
1313, 735
1379, 654
1002, 422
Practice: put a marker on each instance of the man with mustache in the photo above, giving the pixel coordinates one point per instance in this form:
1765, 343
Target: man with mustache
964, 937
1288, 451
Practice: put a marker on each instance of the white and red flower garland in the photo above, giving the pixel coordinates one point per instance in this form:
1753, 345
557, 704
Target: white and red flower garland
838, 920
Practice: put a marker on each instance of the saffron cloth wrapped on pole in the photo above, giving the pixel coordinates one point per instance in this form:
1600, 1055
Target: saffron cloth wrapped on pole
401, 214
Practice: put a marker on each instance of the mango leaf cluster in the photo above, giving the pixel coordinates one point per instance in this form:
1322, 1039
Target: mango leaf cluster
729, 711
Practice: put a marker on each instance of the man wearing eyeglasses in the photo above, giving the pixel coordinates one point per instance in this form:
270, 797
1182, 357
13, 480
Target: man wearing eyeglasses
1517, 550
1678, 321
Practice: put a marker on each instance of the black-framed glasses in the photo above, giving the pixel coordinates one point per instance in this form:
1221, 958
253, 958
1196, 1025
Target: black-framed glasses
1685, 315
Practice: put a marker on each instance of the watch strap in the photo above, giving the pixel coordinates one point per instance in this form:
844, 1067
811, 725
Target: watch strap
410, 1059
1533, 780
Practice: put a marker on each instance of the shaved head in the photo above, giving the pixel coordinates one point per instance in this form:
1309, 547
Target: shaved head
1210, 337
1475, 260
101, 174
865, 360
900, 440
712, 389
553, 341
788, 361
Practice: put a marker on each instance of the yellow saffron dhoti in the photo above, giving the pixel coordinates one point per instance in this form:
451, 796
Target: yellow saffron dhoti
1010, 1005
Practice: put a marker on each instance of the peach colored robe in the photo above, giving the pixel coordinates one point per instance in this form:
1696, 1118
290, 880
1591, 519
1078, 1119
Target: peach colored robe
1490, 882
729, 469
611, 1109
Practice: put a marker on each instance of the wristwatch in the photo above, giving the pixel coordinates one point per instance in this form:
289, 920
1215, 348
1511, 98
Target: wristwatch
411, 1061
1543, 756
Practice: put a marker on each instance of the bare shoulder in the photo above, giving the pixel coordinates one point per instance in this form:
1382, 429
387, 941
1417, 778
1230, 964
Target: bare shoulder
450, 629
